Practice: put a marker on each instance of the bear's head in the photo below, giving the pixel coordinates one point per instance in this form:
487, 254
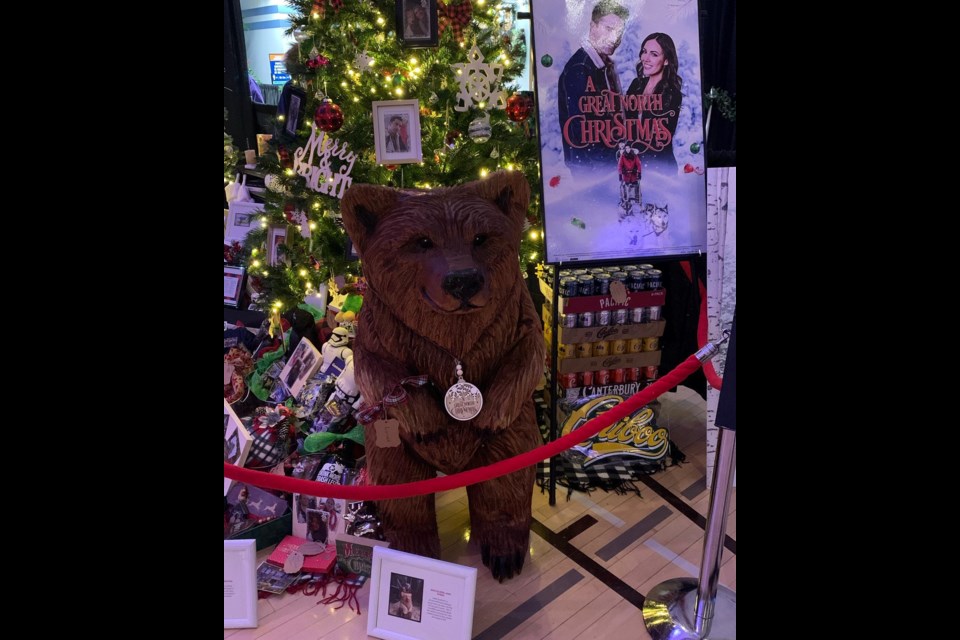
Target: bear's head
457, 247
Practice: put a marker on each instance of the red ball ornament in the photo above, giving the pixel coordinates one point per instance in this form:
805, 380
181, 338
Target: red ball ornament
519, 107
329, 116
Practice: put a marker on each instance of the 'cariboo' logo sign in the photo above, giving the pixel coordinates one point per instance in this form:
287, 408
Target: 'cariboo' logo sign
632, 435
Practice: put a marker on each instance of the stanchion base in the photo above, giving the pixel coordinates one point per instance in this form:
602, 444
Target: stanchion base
670, 608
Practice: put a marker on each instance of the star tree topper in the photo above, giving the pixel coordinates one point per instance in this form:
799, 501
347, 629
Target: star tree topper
479, 82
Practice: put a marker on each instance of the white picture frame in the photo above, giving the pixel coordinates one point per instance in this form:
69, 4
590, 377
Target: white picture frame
417, 598
407, 115
303, 363
236, 441
242, 218
239, 584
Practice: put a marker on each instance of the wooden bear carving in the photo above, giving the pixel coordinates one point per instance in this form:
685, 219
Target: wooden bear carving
444, 288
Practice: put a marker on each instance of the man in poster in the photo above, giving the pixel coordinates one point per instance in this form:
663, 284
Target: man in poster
588, 92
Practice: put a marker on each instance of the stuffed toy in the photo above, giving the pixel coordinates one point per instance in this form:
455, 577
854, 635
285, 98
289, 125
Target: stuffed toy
446, 303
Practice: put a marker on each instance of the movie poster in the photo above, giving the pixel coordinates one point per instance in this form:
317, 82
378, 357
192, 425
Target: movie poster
621, 128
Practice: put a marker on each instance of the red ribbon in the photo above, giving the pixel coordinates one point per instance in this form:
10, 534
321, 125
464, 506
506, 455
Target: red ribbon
455, 17
396, 397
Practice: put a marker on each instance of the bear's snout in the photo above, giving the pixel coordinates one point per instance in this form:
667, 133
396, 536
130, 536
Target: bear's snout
463, 284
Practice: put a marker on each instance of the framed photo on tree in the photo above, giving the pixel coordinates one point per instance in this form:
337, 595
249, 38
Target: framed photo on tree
242, 218
396, 131
417, 23
417, 598
291, 107
276, 236
232, 285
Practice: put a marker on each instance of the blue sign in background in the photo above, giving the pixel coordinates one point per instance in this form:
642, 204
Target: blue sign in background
278, 72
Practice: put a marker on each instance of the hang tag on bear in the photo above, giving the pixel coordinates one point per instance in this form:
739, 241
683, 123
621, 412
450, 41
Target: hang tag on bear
388, 433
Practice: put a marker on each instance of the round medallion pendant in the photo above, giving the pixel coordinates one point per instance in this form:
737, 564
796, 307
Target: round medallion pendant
463, 401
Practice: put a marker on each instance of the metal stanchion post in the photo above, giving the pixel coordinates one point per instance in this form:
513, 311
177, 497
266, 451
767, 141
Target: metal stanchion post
688, 609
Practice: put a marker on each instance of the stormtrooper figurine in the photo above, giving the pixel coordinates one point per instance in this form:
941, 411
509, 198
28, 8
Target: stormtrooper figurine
338, 346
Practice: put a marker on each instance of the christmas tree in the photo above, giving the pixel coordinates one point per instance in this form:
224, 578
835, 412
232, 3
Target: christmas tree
348, 55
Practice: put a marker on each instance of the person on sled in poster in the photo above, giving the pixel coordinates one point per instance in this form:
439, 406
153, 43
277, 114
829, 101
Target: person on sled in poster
588, 92
654, 98
629, 171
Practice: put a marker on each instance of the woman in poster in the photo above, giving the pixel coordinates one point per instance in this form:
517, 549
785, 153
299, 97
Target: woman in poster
654, 97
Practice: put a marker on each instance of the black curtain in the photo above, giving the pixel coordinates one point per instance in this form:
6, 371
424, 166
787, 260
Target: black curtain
236, 87
718, 36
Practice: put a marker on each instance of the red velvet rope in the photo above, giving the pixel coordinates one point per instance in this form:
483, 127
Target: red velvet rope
473, 476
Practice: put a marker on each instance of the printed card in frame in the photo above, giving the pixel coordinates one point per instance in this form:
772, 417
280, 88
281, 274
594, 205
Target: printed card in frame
417, 598
239, 584
396, 131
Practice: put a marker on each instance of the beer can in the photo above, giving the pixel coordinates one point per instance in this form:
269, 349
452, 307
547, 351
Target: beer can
567, 351
635, 345
654, 279
603, 318
568, 380
636, 280
585, 319
650, 372
629, 267
632, 374
601, 284
585, 285
618, 347
653, 313
596, 271
636, 315
578, 272
601, 348
651, 344
617, 376
568, 287
644, 266
586, 378
568, 320
584, 349
565, 273
601, 377
620, 316
618, 275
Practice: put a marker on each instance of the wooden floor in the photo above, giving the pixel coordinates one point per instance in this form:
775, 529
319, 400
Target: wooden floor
637, 541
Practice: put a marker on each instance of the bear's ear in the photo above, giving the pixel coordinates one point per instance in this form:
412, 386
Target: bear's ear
363, 207
509, 191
